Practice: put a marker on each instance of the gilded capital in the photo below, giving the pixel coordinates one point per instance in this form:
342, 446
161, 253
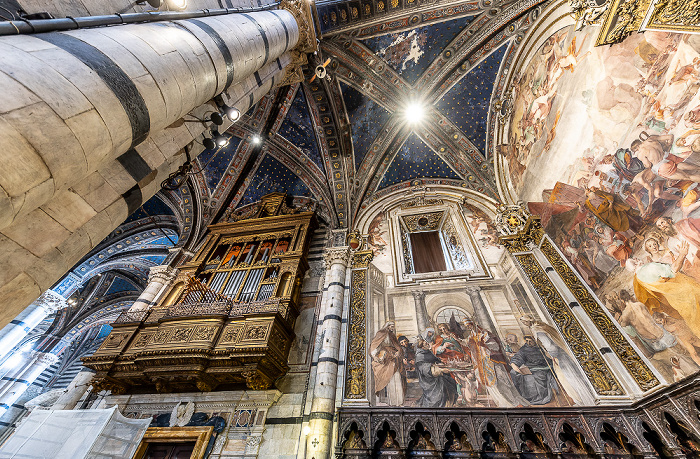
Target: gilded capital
519, 230
336, 255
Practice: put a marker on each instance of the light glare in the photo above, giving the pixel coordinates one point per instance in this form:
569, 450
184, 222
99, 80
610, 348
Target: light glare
415, 112
256, 140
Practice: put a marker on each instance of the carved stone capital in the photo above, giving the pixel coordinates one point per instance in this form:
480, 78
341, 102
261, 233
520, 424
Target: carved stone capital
473, 290
362, 259
336, 255
292, 72
51, 302
163, 274
301, 10
418, 295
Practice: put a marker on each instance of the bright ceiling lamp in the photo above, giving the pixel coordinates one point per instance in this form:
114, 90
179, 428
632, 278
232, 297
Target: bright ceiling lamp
414, 112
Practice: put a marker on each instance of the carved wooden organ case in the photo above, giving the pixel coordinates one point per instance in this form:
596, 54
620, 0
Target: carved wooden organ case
229, 316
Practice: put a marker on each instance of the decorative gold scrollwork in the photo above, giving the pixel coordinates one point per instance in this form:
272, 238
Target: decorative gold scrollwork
682, 15
633, 362
355, 383
598, 372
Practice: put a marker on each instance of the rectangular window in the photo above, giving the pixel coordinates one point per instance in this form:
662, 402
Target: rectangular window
427, 252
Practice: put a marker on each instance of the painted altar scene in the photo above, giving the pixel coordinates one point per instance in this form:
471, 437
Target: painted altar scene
477, 340
610, 139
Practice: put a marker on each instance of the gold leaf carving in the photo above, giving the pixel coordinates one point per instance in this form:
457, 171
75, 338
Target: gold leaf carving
598, 372
632, 361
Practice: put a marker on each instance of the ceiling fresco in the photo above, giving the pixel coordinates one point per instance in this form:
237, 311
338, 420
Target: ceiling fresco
214, 163
415, 160
467, 103
410, 53
273, 176
298, 129
366, 120
343, 139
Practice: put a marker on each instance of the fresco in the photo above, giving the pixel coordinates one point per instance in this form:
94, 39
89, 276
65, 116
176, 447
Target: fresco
604, 145
440, 346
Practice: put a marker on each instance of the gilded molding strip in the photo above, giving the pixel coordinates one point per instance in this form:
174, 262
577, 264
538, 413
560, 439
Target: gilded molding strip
598, 372
675, 15
630, 359
356, 376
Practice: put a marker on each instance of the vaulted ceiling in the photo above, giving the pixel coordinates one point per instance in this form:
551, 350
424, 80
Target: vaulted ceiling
342, 139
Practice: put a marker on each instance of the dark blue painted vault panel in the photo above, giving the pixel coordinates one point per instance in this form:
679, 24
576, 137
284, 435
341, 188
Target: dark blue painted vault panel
120, 284
215, 162
152, 207
273, 176
366, 118
298, 129
416, 160
467, 103
410, 53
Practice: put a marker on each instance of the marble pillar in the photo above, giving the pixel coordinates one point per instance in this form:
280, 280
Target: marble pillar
16, 385
483, 318
117, 105
159, 279
75, 390
14, 332
422, 319
320, 438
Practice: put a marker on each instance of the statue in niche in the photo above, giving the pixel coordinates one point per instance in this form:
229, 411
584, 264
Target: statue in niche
388, 364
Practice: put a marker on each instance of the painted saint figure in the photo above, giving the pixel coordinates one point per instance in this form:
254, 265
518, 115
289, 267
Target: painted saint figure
439, 389
532, 374
387, 364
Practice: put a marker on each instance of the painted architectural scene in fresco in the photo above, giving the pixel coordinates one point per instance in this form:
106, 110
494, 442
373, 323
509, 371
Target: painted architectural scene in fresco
618, 129
476, 344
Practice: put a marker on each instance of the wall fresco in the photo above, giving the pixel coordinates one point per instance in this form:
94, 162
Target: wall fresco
464, 343
604, 145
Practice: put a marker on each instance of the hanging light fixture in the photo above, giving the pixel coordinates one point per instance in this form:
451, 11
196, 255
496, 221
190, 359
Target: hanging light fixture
219, 139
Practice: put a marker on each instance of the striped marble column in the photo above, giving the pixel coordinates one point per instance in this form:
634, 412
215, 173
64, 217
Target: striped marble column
98, 93
319, 441
48, 303
92, 120
14, 386
159, 278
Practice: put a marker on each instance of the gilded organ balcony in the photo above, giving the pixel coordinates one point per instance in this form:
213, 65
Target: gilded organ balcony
227, 319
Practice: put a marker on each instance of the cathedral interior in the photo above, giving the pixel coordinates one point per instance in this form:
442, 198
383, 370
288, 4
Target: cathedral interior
349, 229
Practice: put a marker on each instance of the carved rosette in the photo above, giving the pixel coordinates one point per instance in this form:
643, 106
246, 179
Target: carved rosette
356, 378
630, 359
336, 255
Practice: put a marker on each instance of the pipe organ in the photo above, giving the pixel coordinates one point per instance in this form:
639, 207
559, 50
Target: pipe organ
228, 316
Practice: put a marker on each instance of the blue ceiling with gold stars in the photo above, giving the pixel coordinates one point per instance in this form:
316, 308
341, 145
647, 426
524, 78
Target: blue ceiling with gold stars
119, 284
151, 208
215, 162
467, 103
273, 176
414, 160
298, 129
410, 53
366, 119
